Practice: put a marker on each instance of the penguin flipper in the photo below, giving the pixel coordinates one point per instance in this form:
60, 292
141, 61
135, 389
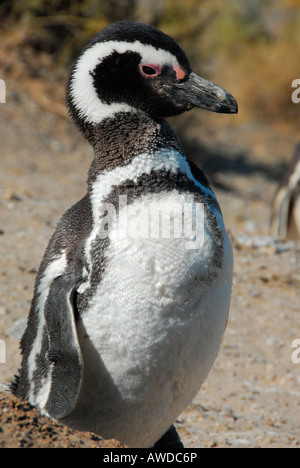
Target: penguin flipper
64, 354
51, 370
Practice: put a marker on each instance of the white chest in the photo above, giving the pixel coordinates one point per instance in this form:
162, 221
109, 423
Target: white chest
155, 323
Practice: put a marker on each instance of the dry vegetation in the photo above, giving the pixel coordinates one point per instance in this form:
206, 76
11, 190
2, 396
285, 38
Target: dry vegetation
252, 44
252, 396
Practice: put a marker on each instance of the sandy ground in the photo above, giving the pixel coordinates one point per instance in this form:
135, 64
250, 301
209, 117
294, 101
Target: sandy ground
252, 395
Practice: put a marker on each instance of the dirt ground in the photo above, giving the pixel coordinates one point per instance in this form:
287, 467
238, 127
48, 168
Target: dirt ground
252, 395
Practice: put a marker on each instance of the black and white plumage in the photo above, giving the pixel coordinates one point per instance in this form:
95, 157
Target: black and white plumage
124, 328
285, 220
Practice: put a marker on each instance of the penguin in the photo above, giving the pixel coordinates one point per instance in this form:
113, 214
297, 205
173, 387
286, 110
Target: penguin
285, 216
132, 296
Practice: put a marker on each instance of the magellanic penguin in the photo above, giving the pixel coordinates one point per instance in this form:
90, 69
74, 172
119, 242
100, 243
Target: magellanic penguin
132, 296
285, 219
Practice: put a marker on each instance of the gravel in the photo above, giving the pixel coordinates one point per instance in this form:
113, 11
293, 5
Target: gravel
252, 395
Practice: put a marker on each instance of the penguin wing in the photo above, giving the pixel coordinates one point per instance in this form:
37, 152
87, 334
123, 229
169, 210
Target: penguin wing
64, 354
51, 371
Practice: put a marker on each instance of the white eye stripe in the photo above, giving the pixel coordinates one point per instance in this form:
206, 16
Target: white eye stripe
82, 89
95, 54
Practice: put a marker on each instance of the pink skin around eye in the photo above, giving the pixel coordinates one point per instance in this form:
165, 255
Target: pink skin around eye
157, 69
180, 74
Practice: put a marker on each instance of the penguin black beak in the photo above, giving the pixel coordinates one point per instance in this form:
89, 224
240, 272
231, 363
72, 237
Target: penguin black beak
198, 92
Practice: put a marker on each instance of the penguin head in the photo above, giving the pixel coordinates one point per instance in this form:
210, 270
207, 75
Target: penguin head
133, 67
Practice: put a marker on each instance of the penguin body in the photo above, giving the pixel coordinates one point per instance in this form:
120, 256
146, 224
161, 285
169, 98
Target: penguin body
132, 297
285, 219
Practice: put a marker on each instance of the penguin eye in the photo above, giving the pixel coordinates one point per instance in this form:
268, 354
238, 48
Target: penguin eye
150, 70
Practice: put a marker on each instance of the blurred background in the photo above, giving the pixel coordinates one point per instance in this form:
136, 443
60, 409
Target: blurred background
252, 49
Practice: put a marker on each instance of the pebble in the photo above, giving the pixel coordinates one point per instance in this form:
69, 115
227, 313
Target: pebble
241, 441
17, 328
265, 242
